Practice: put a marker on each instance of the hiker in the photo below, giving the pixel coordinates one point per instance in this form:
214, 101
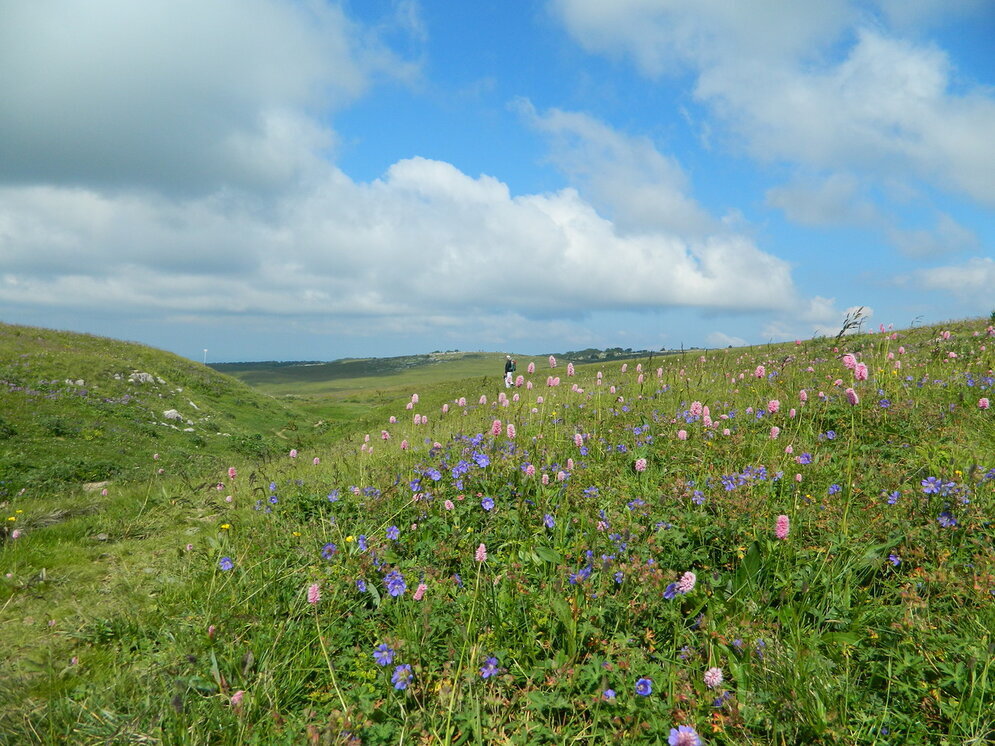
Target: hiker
509, 372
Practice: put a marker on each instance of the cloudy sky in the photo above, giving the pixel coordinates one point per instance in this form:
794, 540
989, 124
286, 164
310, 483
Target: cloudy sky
303, 179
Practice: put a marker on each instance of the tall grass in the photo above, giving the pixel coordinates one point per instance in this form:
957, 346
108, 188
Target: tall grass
612, 569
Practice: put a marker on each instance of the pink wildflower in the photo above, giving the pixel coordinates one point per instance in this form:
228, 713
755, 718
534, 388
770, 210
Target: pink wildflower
760, 372
782, 527
803, 395
552, 361
578, 440
561, 476
531, 369
384, 435
773, 405
570, 369
713, 677
640, 464
774, 432
293, 453
496, 427
686, 583
313, 593
545, 478
404, 445
682, 434
481, 555
530, 471
510, 430
316, 461
849, 361
852, 397
448, 504
231, 472
860, 372
983, 403
420, 592
236, 699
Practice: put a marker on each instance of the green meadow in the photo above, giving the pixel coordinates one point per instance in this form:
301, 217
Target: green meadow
785, 544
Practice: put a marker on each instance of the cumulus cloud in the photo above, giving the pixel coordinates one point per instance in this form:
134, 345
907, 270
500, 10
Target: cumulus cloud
721, 339
973, 279
888, 108
424, 242
176, 95
833, 201
626, 176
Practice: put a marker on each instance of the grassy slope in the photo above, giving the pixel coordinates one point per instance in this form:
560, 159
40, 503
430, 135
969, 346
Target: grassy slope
125, 597
69, 413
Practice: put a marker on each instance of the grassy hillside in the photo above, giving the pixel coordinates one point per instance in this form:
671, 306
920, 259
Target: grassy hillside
76, 408
779, 545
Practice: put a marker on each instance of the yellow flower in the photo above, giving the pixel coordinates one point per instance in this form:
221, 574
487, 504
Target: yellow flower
296, 533
225, 526
350, 538
12, 518
19, 511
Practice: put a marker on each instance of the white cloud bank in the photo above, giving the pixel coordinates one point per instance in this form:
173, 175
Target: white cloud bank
172, 158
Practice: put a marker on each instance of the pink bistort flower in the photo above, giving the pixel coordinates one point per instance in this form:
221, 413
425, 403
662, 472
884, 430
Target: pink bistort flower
782, 527
313, 593
481, 554
640, 464
983, 403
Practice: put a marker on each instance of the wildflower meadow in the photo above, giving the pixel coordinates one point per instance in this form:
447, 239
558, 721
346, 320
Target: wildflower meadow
787, 544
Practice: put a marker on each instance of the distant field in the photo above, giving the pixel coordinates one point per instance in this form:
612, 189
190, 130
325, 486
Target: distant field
381, 378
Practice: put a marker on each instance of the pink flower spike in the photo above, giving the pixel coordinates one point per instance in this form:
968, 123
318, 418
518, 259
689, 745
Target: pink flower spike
852, 397
420, 592
293, 453
983, 403
640, 464
313, 593
481, 555
782, 527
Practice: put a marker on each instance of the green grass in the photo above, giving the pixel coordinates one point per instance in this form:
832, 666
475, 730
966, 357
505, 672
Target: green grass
75, 410
870, 622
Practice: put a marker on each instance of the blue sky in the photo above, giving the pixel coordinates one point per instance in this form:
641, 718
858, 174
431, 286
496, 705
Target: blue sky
301, 179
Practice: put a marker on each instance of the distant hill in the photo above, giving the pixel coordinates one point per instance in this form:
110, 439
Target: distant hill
76, 408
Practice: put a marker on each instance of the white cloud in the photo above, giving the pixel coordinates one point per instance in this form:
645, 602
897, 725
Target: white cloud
720, 339
176, 95
887, 109
832, 201
424, 242
973, 280
636, 184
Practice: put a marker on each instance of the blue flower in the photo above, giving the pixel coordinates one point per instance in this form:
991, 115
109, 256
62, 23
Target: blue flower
328, 550
383, 654
226, 564
684, 735
834, 488
361, 585
402, 676
608, 695
644, 687
893, 497
549, 521
395, 584
393, 533
931, 485
361, 542
490, 668
333, 496
487, 503
946, 519
894, 559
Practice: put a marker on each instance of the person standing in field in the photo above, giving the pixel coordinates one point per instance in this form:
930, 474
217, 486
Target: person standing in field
509, 372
